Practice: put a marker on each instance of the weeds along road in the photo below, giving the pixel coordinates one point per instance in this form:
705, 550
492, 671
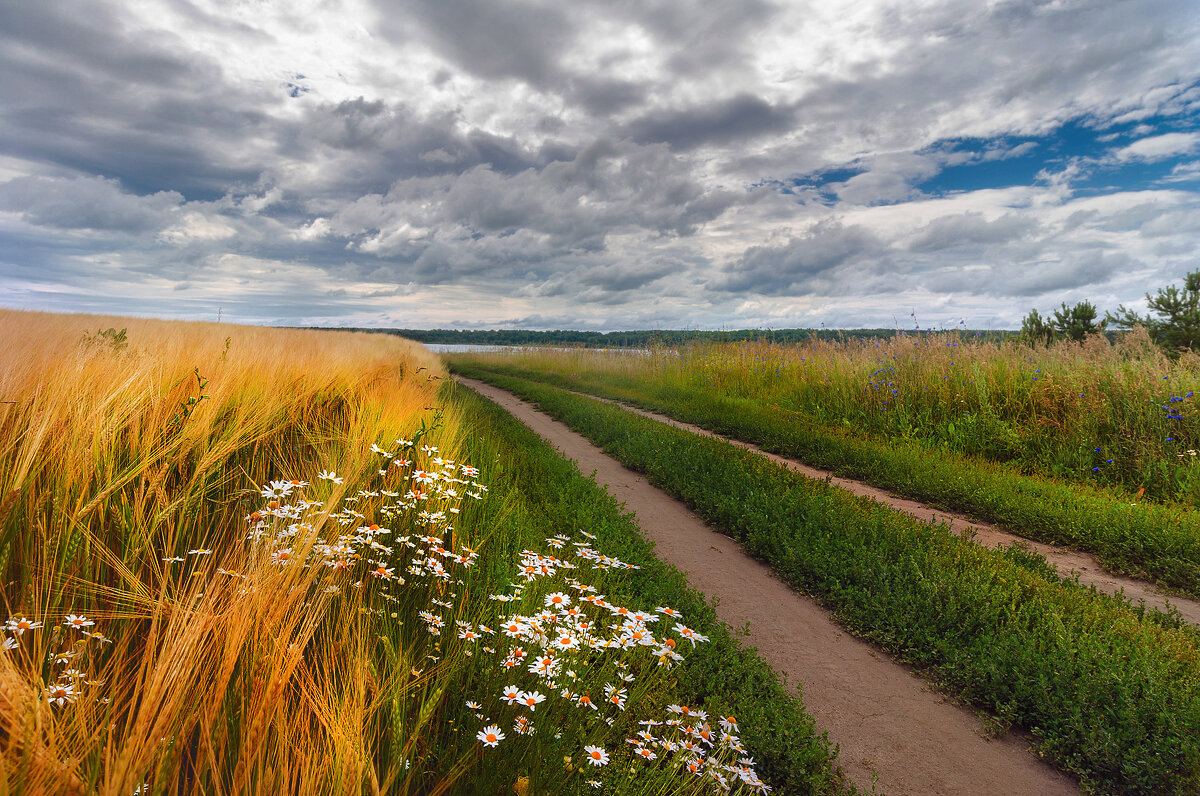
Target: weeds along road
894, 731
1070, 563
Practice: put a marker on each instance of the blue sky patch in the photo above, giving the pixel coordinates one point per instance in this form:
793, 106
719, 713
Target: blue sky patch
972, 164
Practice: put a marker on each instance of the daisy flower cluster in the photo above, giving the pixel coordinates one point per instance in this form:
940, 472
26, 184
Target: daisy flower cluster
421, 497
575, 653
69, 680
416, 487
689, 742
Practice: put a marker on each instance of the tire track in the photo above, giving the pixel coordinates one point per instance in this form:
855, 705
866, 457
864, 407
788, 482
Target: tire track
1070, 563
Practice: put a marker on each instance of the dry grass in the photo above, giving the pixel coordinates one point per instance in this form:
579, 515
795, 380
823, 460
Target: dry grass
207, 682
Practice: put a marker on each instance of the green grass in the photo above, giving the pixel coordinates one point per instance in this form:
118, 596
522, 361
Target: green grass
1153, 541
545, 495
1121, 415
1110, 693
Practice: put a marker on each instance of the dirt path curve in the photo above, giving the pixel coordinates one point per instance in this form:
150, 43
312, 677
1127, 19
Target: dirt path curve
1073, 562
884, 718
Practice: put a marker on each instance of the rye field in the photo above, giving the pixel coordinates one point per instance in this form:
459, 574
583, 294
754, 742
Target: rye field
251, 560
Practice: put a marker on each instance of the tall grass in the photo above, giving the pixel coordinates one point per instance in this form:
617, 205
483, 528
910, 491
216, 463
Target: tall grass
242, 560
118, 467
99, 442
1094, 412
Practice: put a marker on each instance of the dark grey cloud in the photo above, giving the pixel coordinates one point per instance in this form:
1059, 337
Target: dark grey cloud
799, 263
374, 143
740, 118
972, 229
630, 276
704, 36
1076, 271
606, 96
484, 221
88, 203
533, 41
95, 94
606, 283
488, 38
1013, 257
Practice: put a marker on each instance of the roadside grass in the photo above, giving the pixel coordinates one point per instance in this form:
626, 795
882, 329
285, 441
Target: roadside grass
243, 560
1154, 541
1110, 692
1120, 415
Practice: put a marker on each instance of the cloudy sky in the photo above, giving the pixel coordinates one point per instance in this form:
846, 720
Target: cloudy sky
603, 164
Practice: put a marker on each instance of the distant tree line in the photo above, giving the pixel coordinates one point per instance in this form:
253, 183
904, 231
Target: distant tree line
1173, 321
642, 338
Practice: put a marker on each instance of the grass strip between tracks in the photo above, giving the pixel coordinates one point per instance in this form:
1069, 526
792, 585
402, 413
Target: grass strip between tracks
549, 496
1107, 693
1129, 537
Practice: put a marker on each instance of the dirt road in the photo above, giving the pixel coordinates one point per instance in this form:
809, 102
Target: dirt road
893, 730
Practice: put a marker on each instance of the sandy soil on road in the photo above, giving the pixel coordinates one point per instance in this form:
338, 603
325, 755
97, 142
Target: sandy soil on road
887, 721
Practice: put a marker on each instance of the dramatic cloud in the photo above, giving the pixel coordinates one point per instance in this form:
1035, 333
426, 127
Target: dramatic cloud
601, 164
86, 203
972, 229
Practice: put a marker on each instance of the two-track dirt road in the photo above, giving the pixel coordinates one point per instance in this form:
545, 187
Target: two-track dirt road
887, 721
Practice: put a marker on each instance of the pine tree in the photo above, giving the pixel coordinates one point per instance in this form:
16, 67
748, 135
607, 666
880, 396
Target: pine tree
1077, 322
1175, 320
1036, 330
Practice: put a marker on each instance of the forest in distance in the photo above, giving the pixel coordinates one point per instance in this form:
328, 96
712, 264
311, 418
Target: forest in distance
1173, 323
645, 338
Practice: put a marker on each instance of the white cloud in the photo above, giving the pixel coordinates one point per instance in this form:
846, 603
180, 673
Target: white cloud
1159, 147
196, 227
1182, 172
